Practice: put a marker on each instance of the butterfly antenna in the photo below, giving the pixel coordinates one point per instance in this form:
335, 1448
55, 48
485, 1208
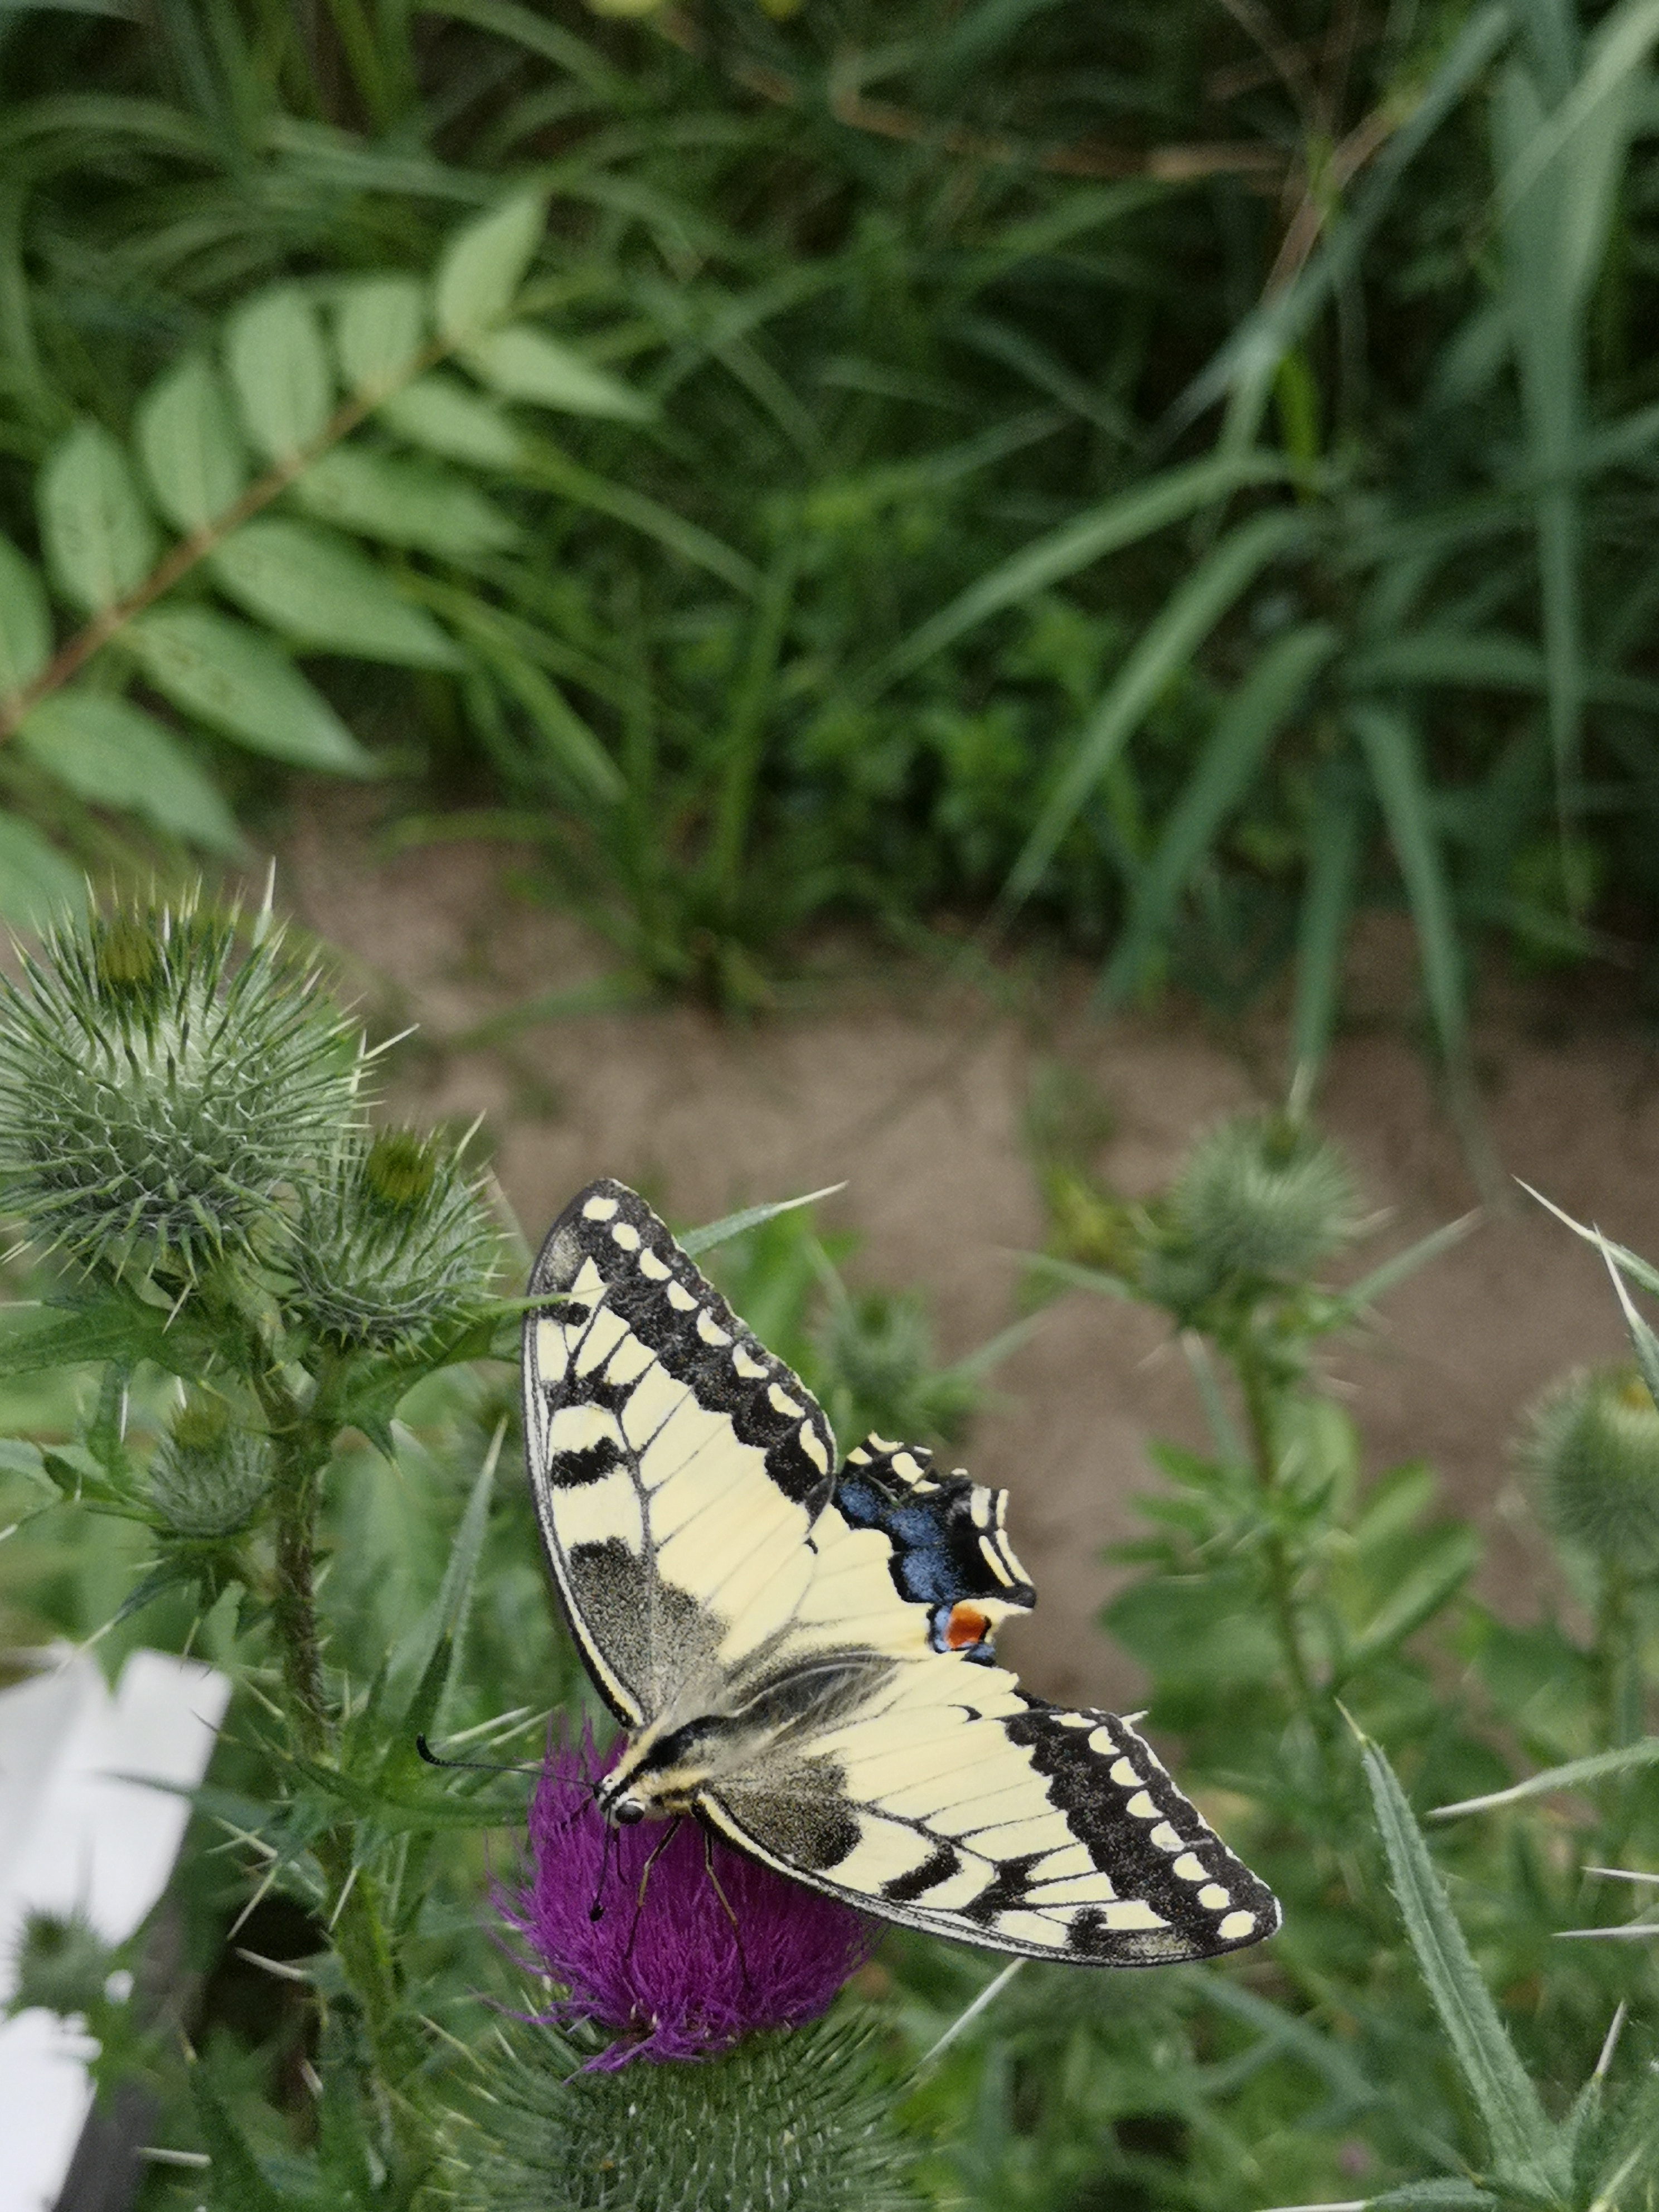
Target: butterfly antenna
657, 1850
470, 1766
737, 1932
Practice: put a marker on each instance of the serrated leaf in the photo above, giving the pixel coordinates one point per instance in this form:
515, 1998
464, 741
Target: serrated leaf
1573, 1776
191, 446
237, 683
38, 885
444, 417
25, 621
98, 536
35, 1338
524, 363
1525, 2146
280, 367
319, 590
111, 753
379, 327
484, 264
404, 502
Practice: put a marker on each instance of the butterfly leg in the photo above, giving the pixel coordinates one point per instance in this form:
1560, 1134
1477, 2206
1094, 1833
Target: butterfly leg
657, 1850
725, 1902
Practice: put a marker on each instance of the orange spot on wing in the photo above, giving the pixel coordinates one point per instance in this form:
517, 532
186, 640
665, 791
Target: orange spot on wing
966, 1626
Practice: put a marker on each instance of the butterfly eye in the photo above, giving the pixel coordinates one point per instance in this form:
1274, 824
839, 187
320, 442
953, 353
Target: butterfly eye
627, 1811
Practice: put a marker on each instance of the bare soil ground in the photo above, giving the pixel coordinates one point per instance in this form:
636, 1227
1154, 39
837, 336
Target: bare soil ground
912, 1090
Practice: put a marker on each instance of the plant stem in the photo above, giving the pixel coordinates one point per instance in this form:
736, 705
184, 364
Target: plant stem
1259, 1413
303, 1440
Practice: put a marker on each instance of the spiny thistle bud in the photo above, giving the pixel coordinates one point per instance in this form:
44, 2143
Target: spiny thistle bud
1593, 1450
161, 1088
390, 1238
61, 1964
208, 1478
1263, 1196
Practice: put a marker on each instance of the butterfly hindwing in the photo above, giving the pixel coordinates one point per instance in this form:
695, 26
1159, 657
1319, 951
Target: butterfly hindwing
992, 1817
950, 1549
676, 1465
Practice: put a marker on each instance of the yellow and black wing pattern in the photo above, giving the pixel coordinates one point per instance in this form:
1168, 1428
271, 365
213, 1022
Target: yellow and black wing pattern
824, 1633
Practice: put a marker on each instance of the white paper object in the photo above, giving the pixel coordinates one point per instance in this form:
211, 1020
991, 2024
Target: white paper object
73, 1836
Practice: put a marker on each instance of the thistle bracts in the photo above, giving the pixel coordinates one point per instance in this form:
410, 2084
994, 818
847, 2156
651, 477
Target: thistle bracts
163, 1086
391, 1236
208, 1478
1592, 1449
796, 2121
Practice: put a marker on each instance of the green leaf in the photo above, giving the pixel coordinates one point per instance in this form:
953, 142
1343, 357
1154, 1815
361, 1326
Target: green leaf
575, 754
1389, 745
404, 502
1186, 619
1631, 1263
319, 590
1525, 2147
1575, 1775
1451, 1556
379, 328
280, 367
1381, 1280
1116, 522
38, 885
111, 753
1643, 1341
98, 539
191, 446
425, 1659
236, 681
25, 621
523, 363
35, 1338
483, 266
696, 1241
444, 417
1245, 729
239, 2180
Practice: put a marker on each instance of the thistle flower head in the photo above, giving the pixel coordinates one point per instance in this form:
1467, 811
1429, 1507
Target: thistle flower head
161, 1086
718, 1947
1592, 1448
208, 1477
389, 1237
62, 1963
1263, 1195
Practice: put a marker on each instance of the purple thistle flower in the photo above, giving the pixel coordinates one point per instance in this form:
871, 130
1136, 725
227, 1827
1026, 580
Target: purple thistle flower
680, 1975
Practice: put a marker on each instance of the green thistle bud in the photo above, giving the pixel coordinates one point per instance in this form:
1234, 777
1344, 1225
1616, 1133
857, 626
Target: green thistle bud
1593, 1450
1263, 1196
208, 1478
160, 1089
62, 1963
389, 1240
790, 2123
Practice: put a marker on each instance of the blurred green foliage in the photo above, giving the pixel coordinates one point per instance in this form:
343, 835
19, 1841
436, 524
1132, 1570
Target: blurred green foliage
1178, 473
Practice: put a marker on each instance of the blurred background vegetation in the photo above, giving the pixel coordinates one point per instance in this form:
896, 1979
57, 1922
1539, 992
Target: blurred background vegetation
1167, 476
1153, 479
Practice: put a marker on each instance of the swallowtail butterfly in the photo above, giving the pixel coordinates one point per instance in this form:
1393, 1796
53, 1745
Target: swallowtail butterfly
800, 1651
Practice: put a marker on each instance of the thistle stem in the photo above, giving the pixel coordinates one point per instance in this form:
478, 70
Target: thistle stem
302, 1442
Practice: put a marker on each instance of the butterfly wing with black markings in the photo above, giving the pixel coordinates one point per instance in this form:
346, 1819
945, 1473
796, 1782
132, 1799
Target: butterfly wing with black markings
711, 1565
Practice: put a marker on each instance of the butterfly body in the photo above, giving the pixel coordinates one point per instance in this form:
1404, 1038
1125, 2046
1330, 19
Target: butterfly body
800, 1652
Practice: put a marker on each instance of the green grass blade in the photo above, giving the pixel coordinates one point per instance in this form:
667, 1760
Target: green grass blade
1228, 765
1121, 520
1390, 745
696, 1241
1187, 619
1524, 2145
1323, 930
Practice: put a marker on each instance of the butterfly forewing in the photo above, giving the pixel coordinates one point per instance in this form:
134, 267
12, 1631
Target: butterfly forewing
676, 1465
710, 1563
